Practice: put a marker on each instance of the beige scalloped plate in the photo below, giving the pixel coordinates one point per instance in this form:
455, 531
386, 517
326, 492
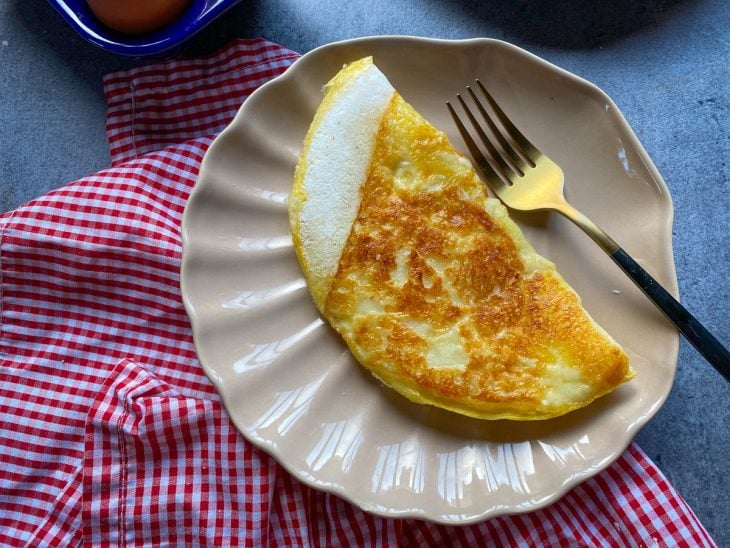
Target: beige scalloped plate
287, 380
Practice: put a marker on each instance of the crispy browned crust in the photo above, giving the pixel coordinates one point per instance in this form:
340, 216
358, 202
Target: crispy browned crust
514, 324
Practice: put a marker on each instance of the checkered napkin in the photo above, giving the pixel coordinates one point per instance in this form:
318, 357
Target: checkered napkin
110, 433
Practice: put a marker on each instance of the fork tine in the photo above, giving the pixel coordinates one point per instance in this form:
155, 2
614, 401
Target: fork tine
488, 172
517, 160
528, 149
504, 169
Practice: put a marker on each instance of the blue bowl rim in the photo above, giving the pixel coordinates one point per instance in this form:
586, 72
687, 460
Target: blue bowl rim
154, 43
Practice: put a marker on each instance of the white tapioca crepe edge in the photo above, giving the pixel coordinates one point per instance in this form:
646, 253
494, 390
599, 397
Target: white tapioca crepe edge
334, 163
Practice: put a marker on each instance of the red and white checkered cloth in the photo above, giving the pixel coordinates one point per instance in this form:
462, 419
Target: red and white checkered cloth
110, 433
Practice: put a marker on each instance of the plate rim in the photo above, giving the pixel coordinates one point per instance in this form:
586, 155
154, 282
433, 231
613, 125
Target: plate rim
271, 449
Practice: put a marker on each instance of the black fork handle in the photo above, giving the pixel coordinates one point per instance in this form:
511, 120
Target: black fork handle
707, 345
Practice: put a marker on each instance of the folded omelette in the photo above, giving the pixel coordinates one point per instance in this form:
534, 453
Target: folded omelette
430, 284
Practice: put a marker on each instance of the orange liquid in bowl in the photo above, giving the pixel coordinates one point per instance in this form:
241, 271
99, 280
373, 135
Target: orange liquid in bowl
137, 16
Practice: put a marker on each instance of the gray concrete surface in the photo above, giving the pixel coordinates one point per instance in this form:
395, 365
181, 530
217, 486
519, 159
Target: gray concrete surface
664, 62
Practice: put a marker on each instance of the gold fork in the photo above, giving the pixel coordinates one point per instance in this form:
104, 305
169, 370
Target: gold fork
526, 179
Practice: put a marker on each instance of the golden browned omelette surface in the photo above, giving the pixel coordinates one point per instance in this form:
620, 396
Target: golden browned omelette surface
439, 295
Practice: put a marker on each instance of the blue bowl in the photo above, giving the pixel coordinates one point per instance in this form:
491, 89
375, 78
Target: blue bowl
199, 14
